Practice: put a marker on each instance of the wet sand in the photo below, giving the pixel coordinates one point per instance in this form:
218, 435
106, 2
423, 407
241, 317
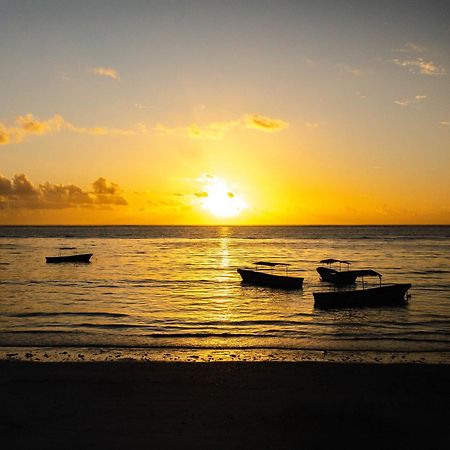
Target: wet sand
224, 405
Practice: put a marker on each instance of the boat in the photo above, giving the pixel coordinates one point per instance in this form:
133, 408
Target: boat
270, 279
382, 295
335, 276
70, 258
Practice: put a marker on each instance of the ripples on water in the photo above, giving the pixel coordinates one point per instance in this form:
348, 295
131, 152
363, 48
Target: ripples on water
177, 287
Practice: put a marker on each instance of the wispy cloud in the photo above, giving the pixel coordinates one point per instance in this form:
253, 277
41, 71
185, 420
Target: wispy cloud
419, 65
108, 72
212, 131
351, 70
410, 101
312, 124
411, 47
27, 125
445, 123
20, 193
217, 130
263, 123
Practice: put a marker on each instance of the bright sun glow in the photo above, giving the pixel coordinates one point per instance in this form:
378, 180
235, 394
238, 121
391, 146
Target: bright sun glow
217, 198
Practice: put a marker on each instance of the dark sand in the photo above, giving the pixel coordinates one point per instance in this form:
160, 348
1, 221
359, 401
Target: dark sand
224, 405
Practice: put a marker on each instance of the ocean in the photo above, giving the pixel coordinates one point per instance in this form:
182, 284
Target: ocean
173, 293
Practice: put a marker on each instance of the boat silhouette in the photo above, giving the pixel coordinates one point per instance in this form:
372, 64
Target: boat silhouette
270, 279
381, 295
71, 258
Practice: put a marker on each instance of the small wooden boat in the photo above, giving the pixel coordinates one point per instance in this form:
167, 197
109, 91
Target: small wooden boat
71, 258
382, 295
335, 276
260, 278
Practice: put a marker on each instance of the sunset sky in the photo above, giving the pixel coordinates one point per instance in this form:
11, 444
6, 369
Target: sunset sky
224, 112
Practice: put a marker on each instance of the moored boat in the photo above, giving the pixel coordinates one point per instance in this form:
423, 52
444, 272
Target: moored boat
71, 258
382, 295
335, 276
270, 279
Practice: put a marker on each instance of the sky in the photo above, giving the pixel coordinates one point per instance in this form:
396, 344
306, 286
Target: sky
224, 112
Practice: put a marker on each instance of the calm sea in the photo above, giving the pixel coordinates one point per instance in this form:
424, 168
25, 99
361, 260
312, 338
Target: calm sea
172, 293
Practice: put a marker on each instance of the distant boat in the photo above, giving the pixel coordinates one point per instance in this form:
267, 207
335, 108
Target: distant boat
71, 258
382, 295
260, 278
335, 276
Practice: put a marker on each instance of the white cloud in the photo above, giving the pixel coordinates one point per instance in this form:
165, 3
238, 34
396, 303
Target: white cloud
407, 102
419, 65
108, 72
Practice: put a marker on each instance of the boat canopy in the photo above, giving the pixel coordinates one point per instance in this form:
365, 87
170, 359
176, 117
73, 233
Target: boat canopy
270, 264
332, 261
366, 273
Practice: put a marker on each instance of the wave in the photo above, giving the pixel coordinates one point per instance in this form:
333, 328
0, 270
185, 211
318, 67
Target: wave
62, 314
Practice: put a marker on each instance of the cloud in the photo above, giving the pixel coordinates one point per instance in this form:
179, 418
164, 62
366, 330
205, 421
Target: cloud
344, 68
19, 193
258, 122
312, 124
407, 102
402, 102
212, 131
445, 123
217, 130
106, 72
411, 47
419, 65
27, 125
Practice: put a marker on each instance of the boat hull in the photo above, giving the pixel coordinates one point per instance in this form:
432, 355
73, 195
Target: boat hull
83, 258
266, 279
390, 294
337, 277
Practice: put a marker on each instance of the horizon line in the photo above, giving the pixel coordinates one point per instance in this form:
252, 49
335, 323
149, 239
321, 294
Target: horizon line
231, 225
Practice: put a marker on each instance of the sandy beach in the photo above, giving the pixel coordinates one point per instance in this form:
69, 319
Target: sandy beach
224, 405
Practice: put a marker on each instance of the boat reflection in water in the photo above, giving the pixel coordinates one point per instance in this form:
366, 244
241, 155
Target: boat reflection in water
70, 258
268, 278
382, 295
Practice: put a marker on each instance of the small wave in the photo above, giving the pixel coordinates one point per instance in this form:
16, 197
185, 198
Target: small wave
71, 313
430, 271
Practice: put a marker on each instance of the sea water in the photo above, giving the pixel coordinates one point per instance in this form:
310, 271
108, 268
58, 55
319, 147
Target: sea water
173, 293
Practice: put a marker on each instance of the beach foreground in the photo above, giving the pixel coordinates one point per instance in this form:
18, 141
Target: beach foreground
224, 405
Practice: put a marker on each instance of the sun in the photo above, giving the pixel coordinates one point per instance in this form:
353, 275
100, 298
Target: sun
217, 198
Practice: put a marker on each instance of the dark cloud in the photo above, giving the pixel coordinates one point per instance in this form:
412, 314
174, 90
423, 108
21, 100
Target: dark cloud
201, 194
20, 193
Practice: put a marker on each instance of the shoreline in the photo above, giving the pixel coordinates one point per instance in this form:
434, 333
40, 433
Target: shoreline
223, 405
222, 354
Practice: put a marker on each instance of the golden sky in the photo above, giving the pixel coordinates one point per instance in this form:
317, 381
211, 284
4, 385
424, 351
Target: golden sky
224, 113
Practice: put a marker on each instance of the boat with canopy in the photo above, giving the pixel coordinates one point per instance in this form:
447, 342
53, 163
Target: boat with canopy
337, 276
381, 295
72, 257
267, 277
